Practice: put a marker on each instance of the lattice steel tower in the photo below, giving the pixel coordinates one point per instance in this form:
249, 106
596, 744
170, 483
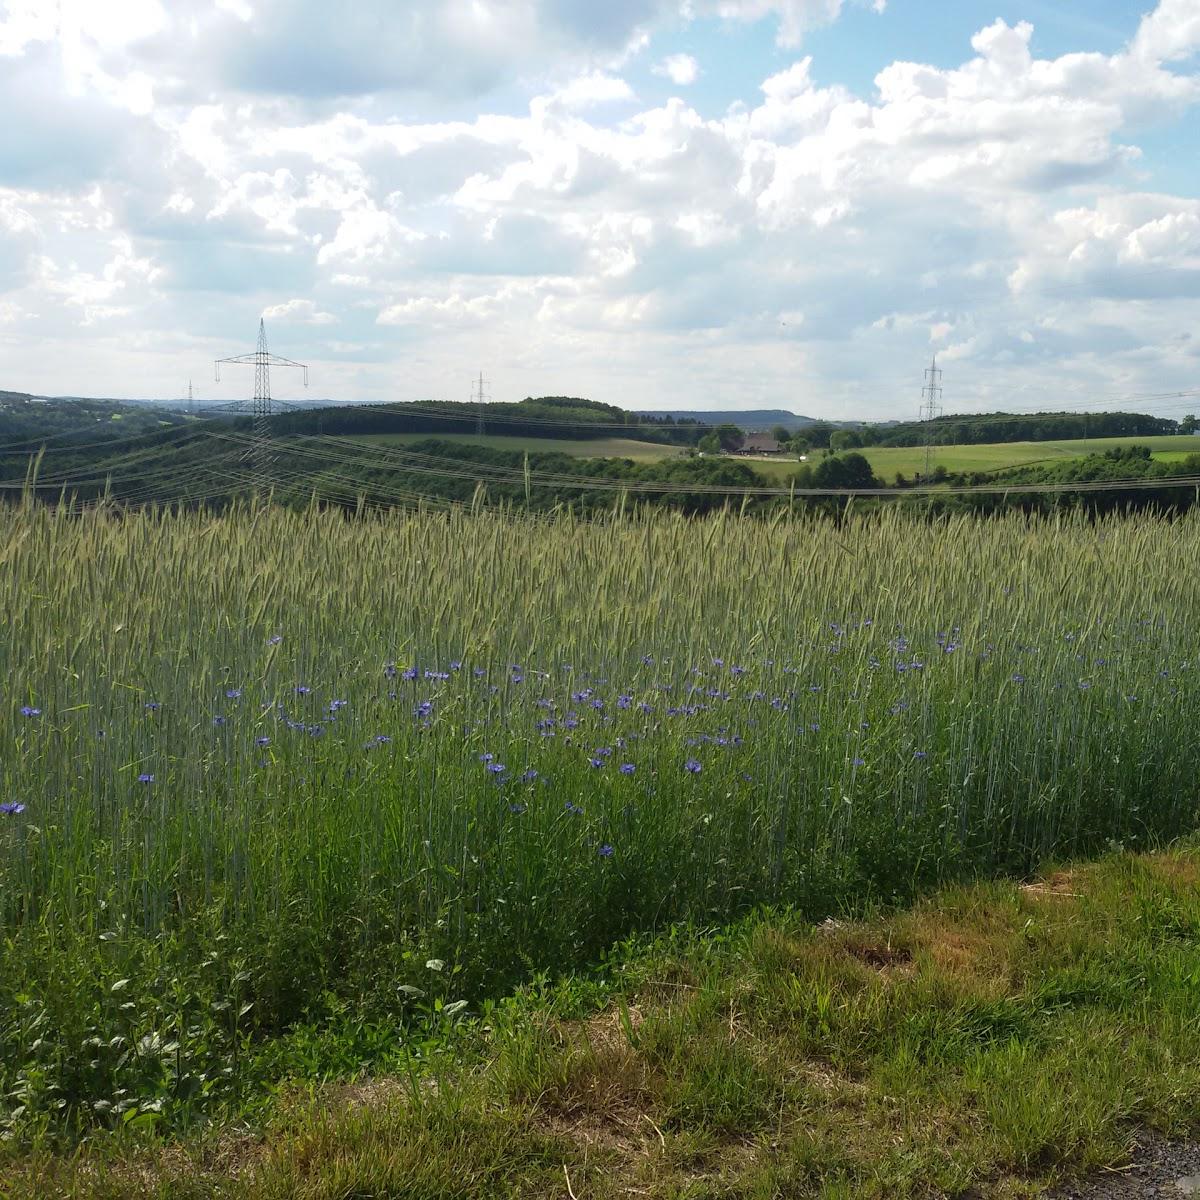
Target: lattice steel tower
261, 406
931, 407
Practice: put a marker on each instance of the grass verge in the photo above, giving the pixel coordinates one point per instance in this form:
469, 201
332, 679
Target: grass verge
990, 1042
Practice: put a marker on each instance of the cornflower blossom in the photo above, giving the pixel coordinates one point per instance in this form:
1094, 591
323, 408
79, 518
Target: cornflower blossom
627, 768
274, 641
262, 741
573, 809
605, 851
233, 693
693, 766
409, 673
496, 768
145, 777
28, 710
12, 808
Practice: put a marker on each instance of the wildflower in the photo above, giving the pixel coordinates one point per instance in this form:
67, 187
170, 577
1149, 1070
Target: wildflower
334, 705
11, 808
274, 641
145, 777
596, 762
486, 758
624, 701
456, 665
627, 768
693, 766
389, 671
920, 754
529, 775
301, 690
479, 672
233, 693
29, 711
859, 762
382, 739
218, 720
573, 809
262, 741
605, 851
516, 809
496, 768
423, 710
409, 673
152, 705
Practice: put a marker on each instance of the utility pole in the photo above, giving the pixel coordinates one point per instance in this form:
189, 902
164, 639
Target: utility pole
261, 406
931, 407
478, 397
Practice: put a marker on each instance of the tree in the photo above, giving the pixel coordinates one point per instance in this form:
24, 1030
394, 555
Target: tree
845, 471
781, 434
709, 444
818, 433
730, 437
798, 446
1189, 424
844, 439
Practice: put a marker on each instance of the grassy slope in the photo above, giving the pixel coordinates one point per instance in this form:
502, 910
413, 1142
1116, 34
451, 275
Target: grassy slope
885, 460
987, 1043
577, 447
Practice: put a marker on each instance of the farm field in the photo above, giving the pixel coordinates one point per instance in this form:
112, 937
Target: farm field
887, 461
268, 773
613, 447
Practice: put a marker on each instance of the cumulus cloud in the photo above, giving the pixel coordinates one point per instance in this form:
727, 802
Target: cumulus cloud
681, 69
582, 240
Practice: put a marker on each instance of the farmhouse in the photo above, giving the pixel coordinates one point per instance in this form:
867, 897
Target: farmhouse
760, 443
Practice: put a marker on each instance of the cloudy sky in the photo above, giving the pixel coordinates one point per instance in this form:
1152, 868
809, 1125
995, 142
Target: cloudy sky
656, 203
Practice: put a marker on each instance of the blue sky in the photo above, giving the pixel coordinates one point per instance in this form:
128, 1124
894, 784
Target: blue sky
657, 203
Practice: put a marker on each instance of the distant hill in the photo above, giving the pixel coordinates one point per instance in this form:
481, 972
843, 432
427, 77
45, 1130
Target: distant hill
752, 419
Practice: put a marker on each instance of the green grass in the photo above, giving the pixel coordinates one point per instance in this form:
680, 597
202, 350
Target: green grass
287, 774
887, 461
612, 447
990, 1042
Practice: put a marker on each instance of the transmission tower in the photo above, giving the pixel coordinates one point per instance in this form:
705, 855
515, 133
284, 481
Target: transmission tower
931, 408
261, 406
478, 397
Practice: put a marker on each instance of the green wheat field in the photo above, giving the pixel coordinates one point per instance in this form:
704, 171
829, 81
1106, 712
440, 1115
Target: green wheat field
259, 766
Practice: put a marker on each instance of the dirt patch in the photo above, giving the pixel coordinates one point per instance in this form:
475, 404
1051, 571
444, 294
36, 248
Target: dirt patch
1061, 883
882, 957
1160, 1168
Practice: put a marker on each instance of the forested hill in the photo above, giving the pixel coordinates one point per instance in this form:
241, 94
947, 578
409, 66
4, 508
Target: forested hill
978, 429
30, 419
751, 419
541, 417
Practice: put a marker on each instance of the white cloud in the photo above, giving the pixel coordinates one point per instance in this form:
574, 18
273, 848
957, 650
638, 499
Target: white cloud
299, 312
580, 240
681, 69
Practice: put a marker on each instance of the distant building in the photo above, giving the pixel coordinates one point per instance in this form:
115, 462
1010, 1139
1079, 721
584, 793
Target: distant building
760, 443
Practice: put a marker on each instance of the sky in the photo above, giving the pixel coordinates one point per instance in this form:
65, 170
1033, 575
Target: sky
653, 203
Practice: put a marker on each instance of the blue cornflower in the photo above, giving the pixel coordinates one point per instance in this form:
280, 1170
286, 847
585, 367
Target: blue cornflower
11, 808
920, 754
529, 776
479, 672
218, 720
145, 777
29, 711
274, 641
456, 665
389, 671
859, 762
573, 809
301, 690
596, 762
496, 768
605, 851
436, 675
409, 673
486, 758
152, 705
516, 809
693, 766
624, 701
334, 705
424, 709
1018, 678
262, 741
627, 768
233, 693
